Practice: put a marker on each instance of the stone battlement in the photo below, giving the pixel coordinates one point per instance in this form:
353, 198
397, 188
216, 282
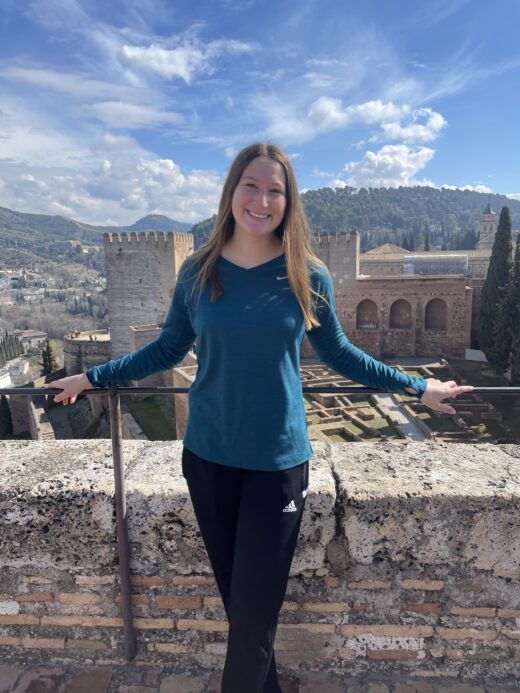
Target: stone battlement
149, 237
339, 236
407, 561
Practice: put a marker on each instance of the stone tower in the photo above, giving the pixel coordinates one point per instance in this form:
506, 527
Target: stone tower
340, 252
141, 273
487, 227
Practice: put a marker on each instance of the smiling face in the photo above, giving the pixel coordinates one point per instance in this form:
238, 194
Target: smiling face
258, 202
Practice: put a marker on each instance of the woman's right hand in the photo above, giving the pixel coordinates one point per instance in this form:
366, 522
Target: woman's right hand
70, 387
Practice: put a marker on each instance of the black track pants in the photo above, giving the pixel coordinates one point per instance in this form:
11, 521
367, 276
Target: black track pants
249, 521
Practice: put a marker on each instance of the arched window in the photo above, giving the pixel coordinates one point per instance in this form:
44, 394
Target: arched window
366, 315
435, 315
401, 315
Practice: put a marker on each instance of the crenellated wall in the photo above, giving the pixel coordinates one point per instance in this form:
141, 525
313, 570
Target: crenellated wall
408, 561
141, 273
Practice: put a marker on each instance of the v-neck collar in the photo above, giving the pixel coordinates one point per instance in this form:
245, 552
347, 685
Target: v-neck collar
255, 267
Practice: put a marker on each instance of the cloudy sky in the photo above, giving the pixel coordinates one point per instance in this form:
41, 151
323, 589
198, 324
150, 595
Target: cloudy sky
110, 111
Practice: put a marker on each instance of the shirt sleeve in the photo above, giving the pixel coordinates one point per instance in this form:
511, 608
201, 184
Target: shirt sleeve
175, 340
338, 353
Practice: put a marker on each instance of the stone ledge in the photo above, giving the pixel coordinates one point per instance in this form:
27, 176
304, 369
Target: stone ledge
423, 504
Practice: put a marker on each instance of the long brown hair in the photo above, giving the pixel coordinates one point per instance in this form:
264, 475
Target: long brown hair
293, 231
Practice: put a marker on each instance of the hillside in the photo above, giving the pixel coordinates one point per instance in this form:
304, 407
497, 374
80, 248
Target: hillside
158, 222
382, 215
399, 209
32, 240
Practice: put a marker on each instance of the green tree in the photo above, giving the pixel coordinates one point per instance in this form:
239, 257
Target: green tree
49, 364
426, 237
515, 317
493, 331
6, 423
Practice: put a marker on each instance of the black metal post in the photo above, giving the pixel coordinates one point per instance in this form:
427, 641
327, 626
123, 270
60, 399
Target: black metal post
123, 548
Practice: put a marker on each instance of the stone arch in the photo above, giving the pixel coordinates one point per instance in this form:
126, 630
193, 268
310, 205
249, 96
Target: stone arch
401, 315
435, 315
366, 315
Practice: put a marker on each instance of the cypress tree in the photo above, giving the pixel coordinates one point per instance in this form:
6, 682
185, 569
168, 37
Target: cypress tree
49, 364
494, 293
515, 317
6, 423
426, 237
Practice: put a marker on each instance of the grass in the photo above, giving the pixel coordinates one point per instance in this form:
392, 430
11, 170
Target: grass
382, 426
152, 420
340, 437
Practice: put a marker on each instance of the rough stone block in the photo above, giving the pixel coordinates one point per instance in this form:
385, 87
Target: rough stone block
19, 620
326, 607
153, 623
97, 680
78, 598
183, 683
209, 626
88, 621
424, 608
428, 585
43, 643
478, 611
190, 580
85, 644
413, 687
9, 607
369, 585
35, 597
92, 580
40, 680
171, 601
8, 676
387, 629
391, 654
466, 633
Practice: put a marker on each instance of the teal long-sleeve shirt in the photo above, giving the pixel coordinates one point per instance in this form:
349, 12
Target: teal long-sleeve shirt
246, 404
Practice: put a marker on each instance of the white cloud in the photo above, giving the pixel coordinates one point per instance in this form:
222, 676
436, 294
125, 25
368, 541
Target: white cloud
118, 189
118, 114
390, 167
328, 113
476, 187
415, 131
513, 196
73, 84
108, 141
185, 61
96, 177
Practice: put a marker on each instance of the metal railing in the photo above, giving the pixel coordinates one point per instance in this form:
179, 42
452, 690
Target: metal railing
114, 393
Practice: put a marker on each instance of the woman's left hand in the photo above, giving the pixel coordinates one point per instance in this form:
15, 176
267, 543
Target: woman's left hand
437, 390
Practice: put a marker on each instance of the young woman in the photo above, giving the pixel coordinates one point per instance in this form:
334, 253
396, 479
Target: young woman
247, 297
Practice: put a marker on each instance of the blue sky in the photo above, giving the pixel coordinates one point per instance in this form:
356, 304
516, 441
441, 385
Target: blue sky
110, 111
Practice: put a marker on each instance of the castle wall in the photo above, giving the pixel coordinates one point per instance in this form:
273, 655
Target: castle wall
141, 272
340, 252
81, 353
183, 377
417, 340
140, 336
407, 563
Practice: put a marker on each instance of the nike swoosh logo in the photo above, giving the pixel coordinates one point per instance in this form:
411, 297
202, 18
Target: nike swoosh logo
282, 277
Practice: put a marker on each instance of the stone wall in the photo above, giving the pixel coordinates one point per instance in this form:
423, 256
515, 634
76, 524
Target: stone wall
82, 352
407, 560
141, 273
